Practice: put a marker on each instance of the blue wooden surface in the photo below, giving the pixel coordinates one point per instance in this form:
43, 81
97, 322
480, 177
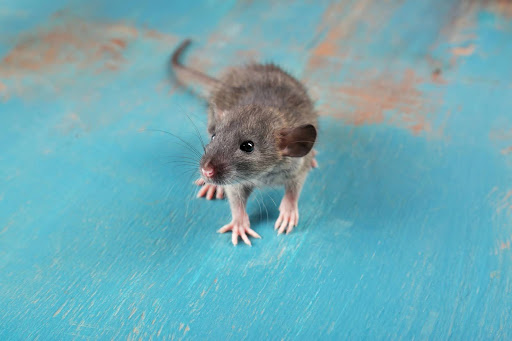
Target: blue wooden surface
406, 227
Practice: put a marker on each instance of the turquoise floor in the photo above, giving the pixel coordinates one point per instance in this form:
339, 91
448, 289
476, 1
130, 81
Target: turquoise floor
406, 227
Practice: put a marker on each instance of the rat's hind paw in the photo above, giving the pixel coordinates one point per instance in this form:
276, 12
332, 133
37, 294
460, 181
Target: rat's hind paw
288, 216
209, 191
239, 228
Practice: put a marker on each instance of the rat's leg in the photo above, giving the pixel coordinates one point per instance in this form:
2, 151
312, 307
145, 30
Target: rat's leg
289, 209
239, 225
209, 191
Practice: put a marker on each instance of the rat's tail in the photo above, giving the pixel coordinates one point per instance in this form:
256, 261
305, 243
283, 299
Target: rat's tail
186, 75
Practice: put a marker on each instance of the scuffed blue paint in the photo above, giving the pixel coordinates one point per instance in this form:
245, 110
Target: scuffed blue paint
401, 235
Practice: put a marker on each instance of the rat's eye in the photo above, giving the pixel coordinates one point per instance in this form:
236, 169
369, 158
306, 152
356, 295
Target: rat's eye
213, 137
247, 146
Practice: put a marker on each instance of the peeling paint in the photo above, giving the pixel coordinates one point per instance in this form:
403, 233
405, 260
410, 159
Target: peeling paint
501, 7
506, 151
367, 100
505, 245
68, 41
464, 50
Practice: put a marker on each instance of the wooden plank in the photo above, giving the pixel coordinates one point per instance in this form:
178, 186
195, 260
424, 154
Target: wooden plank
406, 227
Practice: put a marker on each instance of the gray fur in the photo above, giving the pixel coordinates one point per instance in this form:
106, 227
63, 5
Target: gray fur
257, 103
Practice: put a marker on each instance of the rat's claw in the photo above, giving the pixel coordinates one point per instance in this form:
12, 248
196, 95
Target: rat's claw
288, 216
278, 221
209, 191
220, 193
234, 236
285, 221
241, 229
203, 191
225, 228
253, 233
242, 234
294, 220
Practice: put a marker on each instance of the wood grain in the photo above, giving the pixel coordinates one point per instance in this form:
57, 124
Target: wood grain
406, 227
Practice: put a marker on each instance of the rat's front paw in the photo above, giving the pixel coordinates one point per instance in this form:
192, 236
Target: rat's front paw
288, 216
239, 227
209, 191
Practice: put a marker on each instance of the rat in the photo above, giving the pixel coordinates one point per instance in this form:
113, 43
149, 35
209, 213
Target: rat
263, 127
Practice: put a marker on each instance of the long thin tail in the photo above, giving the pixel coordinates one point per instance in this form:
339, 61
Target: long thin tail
188, 76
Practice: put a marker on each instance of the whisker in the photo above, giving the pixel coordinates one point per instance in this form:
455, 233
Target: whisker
190, 146
181, 163
183, 157
263, 201
197, 131
259, 205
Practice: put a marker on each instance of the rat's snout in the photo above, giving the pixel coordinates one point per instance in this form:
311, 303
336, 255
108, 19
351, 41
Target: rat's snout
213, 171
208, 171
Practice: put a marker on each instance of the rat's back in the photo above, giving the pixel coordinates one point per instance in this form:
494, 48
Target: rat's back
265, 85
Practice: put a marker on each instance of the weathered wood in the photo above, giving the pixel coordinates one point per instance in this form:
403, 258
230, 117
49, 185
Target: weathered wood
406, 227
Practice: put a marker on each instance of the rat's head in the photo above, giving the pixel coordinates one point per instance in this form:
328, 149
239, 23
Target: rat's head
249, 142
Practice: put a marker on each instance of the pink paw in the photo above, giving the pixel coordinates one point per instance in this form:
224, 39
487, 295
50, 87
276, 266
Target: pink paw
209, 190
239, 227
288, 217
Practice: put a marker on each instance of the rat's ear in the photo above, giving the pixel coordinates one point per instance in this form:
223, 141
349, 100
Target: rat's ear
297, 142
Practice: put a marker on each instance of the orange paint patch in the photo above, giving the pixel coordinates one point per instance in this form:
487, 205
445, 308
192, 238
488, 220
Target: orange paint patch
464, 51
3, 90
505, 245
502, 7
338, 31
155, 35
326, 49
369, 100
368, 97
69, 42
506, 151
80, 44
119, 42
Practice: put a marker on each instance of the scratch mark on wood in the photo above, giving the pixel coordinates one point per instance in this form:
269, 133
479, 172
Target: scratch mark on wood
60, 309
132, 313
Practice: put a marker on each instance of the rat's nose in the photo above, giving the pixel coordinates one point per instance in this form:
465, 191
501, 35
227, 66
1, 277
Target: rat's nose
208, 171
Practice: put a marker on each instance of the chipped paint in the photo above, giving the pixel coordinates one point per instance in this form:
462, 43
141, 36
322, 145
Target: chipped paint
505, 245
464, 50
368, 100
69, 41
501, 7
507, 150
397, 225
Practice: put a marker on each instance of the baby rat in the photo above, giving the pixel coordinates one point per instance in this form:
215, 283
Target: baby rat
263, 127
